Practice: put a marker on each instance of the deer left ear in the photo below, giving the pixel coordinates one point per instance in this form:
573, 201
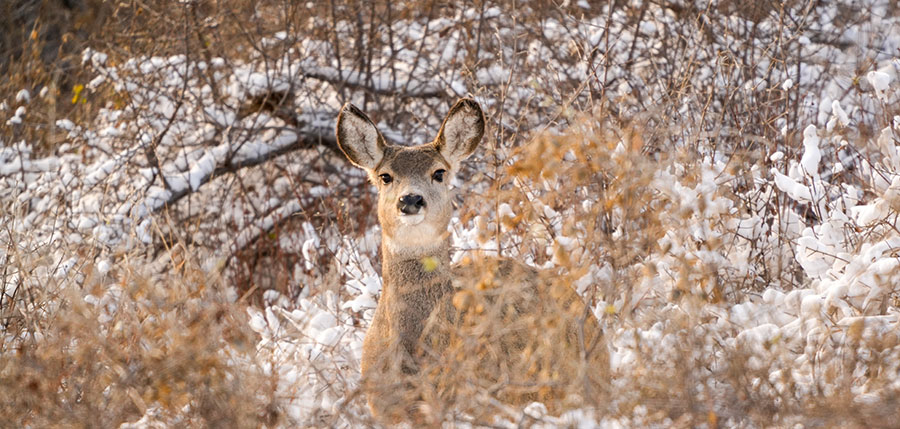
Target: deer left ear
358, 138
461, 131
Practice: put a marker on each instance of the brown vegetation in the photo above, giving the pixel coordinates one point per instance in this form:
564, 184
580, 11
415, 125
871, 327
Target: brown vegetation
600, 120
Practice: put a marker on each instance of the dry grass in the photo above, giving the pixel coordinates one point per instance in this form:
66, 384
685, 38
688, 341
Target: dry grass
696, 105
88, 349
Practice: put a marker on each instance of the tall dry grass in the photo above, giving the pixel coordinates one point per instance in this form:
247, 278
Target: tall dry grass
661, 132
98, 346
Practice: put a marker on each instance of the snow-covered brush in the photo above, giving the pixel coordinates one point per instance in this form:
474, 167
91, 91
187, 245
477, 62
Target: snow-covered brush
720, 180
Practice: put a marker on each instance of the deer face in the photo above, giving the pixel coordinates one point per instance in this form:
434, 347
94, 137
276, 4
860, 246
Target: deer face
414, 198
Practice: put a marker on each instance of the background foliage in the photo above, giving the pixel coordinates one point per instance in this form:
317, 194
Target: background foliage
183, 245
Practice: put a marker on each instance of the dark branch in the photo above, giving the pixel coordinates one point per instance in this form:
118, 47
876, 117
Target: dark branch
348, 82
305, 140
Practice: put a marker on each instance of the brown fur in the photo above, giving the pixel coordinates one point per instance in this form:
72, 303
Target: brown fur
526, 327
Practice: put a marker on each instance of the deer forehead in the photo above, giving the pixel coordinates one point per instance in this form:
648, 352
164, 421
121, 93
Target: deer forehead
412, 162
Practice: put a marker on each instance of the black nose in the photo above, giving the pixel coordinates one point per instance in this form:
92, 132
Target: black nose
411, 204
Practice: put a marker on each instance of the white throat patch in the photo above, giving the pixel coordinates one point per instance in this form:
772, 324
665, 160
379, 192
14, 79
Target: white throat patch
414, 237
411, 220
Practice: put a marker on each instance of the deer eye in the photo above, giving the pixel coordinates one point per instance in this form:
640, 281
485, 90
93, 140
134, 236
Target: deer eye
438, 176
386, 178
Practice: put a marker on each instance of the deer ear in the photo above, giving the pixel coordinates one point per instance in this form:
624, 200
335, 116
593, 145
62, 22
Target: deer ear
358, 138
461, 131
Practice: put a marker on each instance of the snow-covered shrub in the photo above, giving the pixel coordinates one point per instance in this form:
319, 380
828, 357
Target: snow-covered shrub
87, 345
719, 181
685, 261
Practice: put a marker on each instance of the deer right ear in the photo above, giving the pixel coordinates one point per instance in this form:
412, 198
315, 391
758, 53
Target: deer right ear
358, 138
461, 131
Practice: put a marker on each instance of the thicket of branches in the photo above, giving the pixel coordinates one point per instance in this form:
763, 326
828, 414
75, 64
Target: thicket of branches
147, 144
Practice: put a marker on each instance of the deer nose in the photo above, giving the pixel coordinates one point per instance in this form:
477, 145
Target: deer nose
411, 204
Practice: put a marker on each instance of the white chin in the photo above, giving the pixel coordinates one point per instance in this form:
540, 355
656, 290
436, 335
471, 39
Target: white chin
411, 220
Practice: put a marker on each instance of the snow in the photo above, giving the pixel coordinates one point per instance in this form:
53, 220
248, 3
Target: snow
16, 119
505, 211
838, 232
879, 81
794, 189
65, 124
839, 116
202, 169
104, 266
23, 96
812, 156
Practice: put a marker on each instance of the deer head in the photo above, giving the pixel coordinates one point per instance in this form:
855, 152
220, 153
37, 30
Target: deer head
414, 196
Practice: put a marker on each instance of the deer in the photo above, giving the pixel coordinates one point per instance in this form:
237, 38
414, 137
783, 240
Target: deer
428, 308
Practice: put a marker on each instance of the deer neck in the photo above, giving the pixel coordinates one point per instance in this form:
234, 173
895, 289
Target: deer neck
414, 271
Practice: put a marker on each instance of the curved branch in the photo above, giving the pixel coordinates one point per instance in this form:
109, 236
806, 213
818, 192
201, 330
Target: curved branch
352, 80
306, 139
